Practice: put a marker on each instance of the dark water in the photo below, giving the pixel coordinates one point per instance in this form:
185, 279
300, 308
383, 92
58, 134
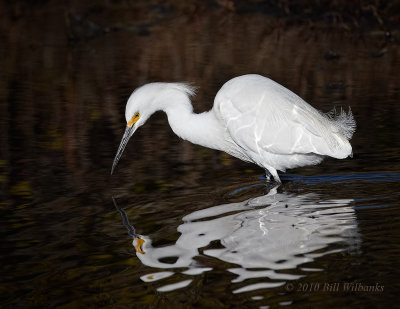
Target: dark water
214, 235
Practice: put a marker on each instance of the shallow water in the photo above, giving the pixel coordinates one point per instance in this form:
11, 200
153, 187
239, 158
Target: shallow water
212, 234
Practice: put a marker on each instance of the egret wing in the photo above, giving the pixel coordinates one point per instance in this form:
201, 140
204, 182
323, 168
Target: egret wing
261, 115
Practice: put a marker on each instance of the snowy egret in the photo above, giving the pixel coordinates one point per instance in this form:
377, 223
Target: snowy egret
253, 118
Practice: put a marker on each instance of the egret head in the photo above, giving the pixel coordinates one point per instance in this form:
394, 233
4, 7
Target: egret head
139, 108
145, 101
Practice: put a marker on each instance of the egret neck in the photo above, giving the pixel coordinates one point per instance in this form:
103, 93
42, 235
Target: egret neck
202, 129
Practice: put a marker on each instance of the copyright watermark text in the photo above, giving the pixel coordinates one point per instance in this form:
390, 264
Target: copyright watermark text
334, 287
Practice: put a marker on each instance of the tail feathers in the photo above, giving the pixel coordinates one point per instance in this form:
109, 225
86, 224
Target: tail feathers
344, 122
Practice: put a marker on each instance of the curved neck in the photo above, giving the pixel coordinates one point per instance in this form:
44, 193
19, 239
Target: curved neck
203, 129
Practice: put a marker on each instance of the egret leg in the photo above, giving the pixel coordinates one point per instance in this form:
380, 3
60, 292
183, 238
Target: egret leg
268, 176
276, 177
271, 176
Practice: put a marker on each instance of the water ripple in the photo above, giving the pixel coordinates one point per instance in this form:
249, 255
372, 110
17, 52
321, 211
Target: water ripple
265, 237
367, 177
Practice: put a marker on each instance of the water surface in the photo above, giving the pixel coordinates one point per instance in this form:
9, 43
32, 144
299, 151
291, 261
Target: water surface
212, 234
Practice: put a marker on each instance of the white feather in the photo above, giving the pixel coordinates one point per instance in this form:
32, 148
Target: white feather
253, 118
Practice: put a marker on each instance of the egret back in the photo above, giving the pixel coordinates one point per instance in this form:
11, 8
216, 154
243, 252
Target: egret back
270, 121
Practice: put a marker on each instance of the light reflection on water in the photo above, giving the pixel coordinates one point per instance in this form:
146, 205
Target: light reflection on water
268, 238
61, 110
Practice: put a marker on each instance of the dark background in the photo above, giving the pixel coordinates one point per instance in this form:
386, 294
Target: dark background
66, 71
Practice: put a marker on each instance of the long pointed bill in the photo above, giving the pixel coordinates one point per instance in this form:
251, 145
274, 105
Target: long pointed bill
127, 135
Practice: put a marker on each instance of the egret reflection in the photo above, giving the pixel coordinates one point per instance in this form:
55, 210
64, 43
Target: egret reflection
138, 241
264, 236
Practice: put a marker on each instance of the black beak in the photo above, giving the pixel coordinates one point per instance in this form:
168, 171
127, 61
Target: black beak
127, 135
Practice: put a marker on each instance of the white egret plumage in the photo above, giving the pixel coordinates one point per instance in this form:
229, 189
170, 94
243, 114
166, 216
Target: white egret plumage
253, 118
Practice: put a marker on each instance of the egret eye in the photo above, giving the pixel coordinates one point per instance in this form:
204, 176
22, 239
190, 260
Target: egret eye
133, 120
